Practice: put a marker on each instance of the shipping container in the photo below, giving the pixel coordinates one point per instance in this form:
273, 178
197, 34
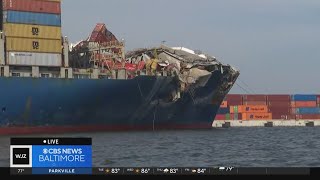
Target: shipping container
224, 104
32, 31
307, 110
308, 116
301, 104
278, 98
220, 117
300, 97
256, 116
34, 59
33, 45
228, 117
279, 104
233, 109
249, 109
223, 111
234, 103
236, 116
32, 6
318, 100
254, 103
286, 110
32, 18
234, 97
255, 98
282, 116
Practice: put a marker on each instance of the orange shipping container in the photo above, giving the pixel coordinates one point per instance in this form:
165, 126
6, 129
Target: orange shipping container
302, 104
256, 116
224, 104
253, 109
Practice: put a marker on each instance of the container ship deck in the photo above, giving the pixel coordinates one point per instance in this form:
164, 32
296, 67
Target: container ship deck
48, 85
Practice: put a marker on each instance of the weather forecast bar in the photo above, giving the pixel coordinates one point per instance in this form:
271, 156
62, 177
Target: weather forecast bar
202, 171
165, 171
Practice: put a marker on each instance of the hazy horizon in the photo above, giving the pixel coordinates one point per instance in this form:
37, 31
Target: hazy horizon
274, 43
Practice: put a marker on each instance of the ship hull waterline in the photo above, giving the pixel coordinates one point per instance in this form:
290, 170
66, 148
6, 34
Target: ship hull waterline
42, 106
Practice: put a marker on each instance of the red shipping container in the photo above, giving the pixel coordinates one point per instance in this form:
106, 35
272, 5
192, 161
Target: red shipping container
283, 116
234, 97
32, 6
254, 103
255, 98
279, 104
302, 104
220, 117
234, 103
318, 100
285, 110
279, 98
308, 116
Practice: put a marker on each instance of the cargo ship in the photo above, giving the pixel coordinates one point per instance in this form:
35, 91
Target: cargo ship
48, 85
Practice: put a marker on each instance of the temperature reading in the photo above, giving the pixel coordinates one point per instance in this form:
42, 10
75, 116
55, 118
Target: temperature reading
145, 171
115, 170
20, 171
201, 171
174, 171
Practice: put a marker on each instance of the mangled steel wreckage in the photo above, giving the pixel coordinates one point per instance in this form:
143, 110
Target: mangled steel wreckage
176, 85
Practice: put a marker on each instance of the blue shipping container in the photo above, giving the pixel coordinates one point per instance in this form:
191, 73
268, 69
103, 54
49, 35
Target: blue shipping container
32, 18
224, 111
308, 111
300, 97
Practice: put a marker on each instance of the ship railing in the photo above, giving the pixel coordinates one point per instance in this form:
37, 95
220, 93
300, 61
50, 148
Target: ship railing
111, 44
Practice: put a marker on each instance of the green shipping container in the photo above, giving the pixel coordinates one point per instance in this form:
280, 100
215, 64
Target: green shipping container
236, 109
228, 117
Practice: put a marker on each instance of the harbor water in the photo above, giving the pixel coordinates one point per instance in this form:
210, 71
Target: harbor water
239, 147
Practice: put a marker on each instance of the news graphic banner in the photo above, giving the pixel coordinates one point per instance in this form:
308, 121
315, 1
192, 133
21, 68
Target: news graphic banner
51, 156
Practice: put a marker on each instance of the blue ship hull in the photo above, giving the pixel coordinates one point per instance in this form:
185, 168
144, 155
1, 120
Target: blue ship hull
30, 105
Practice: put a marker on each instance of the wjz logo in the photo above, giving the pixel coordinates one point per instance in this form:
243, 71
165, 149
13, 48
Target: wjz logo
21, 156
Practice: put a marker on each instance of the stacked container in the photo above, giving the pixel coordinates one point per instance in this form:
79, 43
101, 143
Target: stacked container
254, 100
224, 112
266, 107
279, 106
234, 99
305, 106
250, 112
33, 32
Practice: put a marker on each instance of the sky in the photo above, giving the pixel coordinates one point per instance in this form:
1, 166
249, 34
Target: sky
274, 43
